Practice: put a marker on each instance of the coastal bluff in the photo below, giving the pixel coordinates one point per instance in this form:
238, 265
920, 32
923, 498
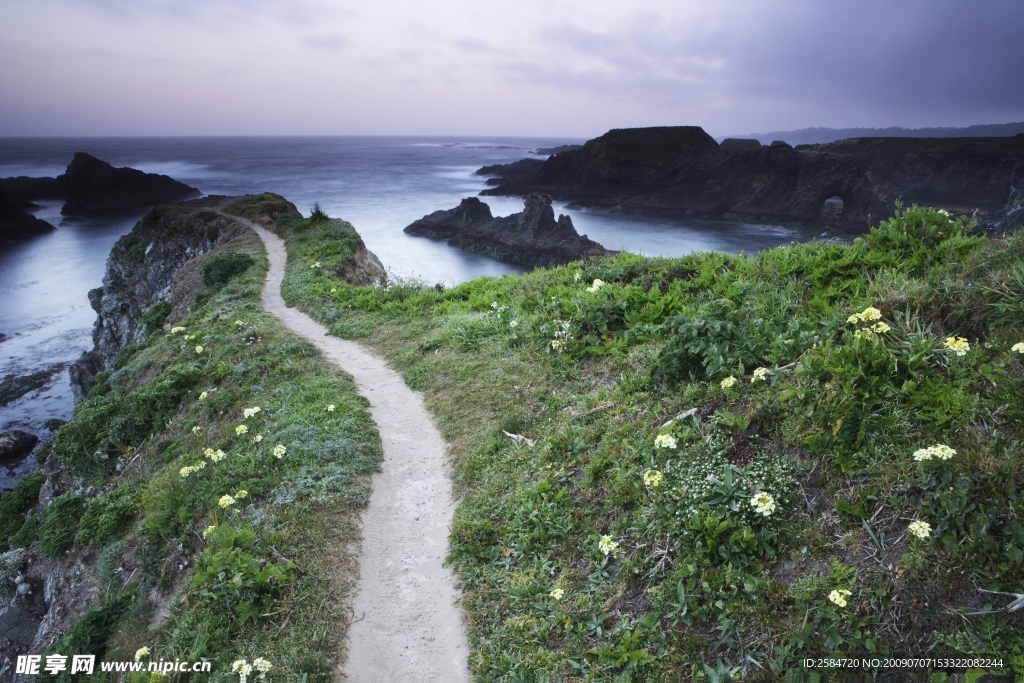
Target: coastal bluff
682, 171
530, 238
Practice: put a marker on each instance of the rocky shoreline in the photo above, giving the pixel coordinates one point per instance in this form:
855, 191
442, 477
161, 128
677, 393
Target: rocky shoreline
530, 238
683, 172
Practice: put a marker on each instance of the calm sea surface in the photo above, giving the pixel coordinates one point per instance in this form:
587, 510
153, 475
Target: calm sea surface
379, 184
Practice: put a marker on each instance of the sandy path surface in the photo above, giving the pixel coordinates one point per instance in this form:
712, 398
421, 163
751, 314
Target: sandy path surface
407, 626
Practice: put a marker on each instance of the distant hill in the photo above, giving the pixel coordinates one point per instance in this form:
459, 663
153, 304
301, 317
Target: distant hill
812, 136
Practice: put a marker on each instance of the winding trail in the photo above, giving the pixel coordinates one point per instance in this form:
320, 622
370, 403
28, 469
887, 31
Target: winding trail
407, 625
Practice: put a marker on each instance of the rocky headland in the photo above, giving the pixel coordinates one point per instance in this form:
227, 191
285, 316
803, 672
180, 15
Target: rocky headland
92, 187
530, 238
16, 223
682, 172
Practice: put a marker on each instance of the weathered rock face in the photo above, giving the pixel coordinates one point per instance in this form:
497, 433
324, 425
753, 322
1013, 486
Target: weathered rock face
682, 171
96, 187
16, 223
16, 444
140, 272
531, 238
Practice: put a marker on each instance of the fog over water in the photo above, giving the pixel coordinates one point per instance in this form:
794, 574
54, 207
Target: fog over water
379, 184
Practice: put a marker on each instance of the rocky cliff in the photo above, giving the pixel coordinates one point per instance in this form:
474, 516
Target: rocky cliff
141, 271
530, 238
682, 171
16, 223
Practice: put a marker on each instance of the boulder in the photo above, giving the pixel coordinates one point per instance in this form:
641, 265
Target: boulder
16, 444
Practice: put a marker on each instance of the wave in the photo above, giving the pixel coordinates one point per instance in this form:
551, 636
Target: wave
178, 169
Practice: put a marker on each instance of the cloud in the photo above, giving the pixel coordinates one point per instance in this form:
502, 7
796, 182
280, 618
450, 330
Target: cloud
331, 42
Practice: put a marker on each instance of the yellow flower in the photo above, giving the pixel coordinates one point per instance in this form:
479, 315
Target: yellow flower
249, 412
208, 452
557, 593
208, 530
606, 545
176, 330
199, 349
760, 375
940, 451
665, 441
257, 438
197, 429
763, 504
839, 596
958, 345
280, 450
239, 322
330, 408
728, 382
241, 429
870, 313
653, 478
141, 652
217, 456
202, 396
262, 665
226, 501
1018, 347
514, 324
920, 529
315, 265
241, 494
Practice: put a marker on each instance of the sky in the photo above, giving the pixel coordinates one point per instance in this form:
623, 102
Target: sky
569, 68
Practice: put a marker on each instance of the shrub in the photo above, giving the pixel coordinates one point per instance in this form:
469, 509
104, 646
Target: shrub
16, 502
60, 524
154, 318
107, 515
317, 214
222, 267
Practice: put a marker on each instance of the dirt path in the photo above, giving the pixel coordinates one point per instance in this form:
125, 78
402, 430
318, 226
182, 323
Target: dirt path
407, 626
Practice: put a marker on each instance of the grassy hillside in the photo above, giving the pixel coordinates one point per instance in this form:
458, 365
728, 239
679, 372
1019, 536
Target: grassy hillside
214, 480
715, 466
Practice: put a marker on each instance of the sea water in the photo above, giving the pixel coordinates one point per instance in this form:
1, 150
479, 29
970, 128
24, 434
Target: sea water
379, 184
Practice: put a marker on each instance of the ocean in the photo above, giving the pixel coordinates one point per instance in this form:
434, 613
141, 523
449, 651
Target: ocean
379, 184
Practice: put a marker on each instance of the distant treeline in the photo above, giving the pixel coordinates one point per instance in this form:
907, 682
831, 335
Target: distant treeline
811, 136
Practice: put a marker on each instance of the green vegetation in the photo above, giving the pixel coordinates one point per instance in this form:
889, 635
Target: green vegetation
737, 462
214, 497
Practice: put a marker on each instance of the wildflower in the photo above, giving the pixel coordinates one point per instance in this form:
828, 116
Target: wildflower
217, 455
241, 429
330, 408
199, 349
494, 304
202, 396
763, 504
514, 324
315, 265
728, 382
249, 412
920, 529
598, 284
141, 652
653, 478
839, 596
958, 345
863, 333
189, 337
208, 452
241, 494
557, 344
870, 313
257, 438
197, 429
189, 469
208, 530
239, 322
940, 451
226, 501
176, 330
880, 327
242, 668
665, 441
557, 593
280, 450
1018, 347
760, 375
606, 545
262, 665
577, 276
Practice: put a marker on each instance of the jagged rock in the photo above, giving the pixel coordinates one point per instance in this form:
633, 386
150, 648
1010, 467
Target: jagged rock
16, 223
18, 626
95, 187
13, 387
16, 444
682, 171
530, 238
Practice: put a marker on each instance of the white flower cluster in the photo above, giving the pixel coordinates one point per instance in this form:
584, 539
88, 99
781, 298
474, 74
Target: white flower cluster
653, 478
920, 529
728, 382
562, 335
839, 596
249, 412
1018, 347
665, 441
763, 504
606, 545
760, 375
939, 451
244, 669
958, 345
598, 284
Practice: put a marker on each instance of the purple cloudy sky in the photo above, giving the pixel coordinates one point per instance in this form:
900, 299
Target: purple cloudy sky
529, 67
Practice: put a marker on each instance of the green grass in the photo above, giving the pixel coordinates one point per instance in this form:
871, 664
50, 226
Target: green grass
179, 570
698, 585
